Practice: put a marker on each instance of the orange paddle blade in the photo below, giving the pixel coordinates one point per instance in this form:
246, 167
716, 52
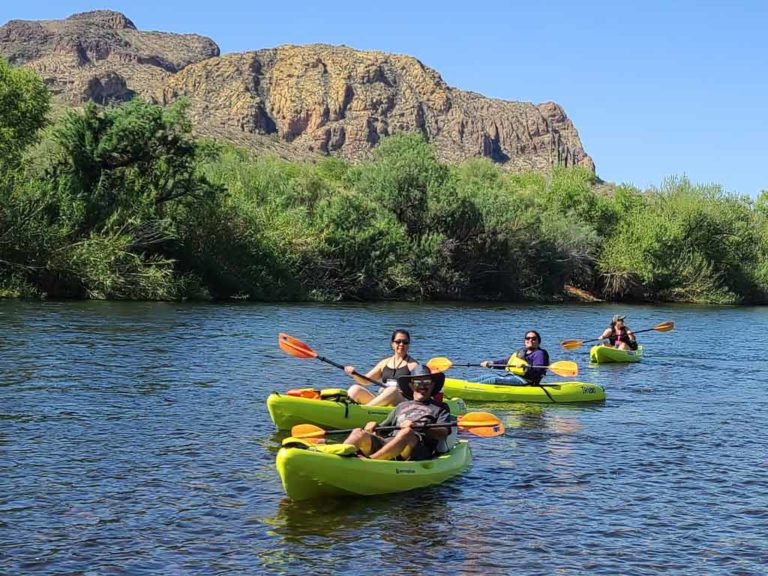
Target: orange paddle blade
439, 364
571, 344
307, 431
294, 346
566, 368
486, 432
481, 424
665, 326
478, 419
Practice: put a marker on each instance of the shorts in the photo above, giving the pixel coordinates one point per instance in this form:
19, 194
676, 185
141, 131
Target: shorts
422, 450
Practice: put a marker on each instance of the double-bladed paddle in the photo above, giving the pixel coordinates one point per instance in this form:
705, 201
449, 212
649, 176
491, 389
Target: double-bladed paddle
299, 349
566, 368
482, 424
662, 327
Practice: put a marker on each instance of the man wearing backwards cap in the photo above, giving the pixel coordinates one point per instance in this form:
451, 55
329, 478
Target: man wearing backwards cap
409, 442
619, 335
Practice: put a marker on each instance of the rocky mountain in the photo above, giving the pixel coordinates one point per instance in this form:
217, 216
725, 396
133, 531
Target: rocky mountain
295, 101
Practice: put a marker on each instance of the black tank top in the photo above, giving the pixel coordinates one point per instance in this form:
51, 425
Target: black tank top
388, 373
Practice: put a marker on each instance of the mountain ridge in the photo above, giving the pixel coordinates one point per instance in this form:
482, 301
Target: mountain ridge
297, 102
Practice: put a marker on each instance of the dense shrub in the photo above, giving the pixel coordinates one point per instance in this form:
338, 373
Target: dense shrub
122, 202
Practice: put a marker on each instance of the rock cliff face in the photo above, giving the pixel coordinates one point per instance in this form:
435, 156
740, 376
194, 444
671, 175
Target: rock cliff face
100, 55
296, 101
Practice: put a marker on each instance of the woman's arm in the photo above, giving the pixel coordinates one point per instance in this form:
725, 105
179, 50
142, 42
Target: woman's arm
500, 363
374, 373
535, 370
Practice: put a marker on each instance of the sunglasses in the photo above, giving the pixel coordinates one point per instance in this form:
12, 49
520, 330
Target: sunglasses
531, 338
403, 342
420, 383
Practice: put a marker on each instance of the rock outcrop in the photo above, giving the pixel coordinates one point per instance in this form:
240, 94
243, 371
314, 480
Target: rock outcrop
100, 55
295, 101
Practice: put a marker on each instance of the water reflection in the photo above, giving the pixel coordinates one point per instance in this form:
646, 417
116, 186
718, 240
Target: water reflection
395, 528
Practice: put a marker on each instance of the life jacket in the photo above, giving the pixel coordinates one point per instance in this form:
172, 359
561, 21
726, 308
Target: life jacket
516, 363
619, 336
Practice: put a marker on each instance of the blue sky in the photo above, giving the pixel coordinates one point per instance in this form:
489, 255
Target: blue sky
667, 89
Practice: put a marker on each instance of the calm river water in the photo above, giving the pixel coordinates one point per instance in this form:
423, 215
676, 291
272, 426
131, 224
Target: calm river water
134, 439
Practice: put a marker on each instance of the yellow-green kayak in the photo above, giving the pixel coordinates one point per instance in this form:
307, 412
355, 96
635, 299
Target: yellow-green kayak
601, 354
287, 411
564, 392
308, 473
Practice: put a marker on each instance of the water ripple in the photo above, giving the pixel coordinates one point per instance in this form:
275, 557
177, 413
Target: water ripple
134, 439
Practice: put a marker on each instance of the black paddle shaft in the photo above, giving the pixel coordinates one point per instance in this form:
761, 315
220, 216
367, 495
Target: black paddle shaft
356, 373
390, 428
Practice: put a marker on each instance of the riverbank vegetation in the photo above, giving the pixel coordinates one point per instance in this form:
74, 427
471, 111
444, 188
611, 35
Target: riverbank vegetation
124, 203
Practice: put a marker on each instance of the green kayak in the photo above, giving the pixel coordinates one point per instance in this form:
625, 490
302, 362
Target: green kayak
602, 354
564, 392
308, 472
286, 411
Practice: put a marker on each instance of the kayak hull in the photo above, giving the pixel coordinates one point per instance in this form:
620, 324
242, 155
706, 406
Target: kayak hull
602, 354
560, 392
307, 474
287, 411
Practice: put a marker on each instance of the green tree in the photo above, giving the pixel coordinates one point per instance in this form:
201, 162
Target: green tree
401, 176
131, 160
24, 233
24, 105
686, 243
122, 181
